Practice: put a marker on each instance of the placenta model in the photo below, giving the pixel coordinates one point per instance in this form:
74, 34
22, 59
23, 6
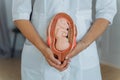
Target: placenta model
61, 34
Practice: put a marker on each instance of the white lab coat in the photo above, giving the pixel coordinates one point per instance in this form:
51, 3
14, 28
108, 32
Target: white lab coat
84, 66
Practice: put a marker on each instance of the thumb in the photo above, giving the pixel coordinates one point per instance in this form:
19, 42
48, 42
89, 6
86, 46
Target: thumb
69, 56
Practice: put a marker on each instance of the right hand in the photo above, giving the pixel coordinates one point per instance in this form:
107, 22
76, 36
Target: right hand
52, 61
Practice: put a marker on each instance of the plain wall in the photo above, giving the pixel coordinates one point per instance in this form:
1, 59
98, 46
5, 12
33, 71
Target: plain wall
7, 13
111, 42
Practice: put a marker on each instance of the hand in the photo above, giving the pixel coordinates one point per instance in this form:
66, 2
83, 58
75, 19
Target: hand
71, 54
52, 61
79, 47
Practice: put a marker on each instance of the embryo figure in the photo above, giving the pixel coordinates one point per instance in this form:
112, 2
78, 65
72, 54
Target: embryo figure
61, 34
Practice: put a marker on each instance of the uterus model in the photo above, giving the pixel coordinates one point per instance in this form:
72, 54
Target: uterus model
61, 35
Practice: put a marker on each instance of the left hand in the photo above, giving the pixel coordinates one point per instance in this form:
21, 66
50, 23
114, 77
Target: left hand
71, 54
97, 29
79, 47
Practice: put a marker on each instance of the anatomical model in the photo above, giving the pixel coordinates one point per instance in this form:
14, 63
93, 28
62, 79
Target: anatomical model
61, 37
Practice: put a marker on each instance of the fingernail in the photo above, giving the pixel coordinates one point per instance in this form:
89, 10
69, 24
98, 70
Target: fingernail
59, 63
66, 57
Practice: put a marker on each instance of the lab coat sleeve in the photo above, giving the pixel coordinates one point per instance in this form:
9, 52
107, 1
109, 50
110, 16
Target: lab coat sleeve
21, 9
106, 9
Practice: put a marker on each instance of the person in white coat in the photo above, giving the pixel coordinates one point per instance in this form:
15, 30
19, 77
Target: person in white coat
38, 62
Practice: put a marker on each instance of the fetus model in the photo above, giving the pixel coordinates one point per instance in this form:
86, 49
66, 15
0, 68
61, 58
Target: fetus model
61, 34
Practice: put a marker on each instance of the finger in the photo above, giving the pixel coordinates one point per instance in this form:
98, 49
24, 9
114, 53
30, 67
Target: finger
58, 67
69, 56
55, 66
50, 63
64, 64
68, 59
62, 69
54, 60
